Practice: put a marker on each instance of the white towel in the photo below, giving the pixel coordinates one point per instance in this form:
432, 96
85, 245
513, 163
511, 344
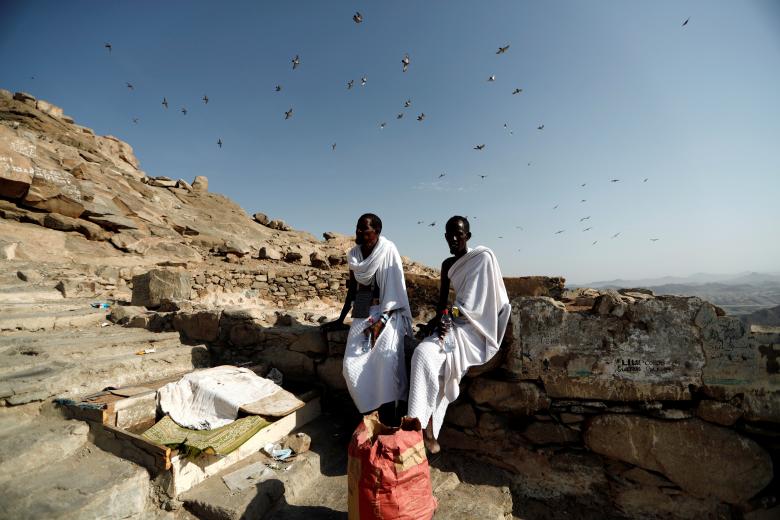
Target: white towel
210, 398
480, 296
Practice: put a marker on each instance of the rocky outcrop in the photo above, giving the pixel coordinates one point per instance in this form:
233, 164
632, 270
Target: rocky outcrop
704, 460
157, 286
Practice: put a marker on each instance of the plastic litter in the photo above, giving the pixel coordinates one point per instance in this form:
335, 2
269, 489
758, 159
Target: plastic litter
276, 451
146, 351
100, 305
276, 376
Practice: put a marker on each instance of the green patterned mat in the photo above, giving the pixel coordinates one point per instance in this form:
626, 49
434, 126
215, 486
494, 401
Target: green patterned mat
192, 443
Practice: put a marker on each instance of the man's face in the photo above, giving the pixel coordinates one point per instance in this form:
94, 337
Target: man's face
456, 237
364, 232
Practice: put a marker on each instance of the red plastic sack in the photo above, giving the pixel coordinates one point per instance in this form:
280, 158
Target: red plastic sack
388, 473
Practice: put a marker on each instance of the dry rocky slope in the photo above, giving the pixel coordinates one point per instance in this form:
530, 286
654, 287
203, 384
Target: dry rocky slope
616, 404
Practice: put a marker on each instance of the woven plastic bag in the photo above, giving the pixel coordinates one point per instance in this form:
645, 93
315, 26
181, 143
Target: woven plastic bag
388, 473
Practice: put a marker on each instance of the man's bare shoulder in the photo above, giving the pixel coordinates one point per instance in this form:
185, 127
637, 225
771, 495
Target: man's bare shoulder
446, 264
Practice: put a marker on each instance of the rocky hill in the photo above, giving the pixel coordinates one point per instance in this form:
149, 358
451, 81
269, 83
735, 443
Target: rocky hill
71, 198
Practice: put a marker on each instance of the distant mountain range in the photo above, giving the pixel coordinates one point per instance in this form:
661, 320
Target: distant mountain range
738, 294
747, 277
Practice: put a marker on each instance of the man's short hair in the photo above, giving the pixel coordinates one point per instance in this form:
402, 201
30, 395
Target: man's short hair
457, 218
376, 222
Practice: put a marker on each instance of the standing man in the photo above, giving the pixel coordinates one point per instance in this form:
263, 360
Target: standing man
374, 367
481, 312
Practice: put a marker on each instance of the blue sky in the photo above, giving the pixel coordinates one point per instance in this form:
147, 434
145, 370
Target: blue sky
622, 89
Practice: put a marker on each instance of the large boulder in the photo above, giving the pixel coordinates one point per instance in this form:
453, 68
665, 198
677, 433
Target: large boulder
200, 184
16, 169
198, 326
151, 289
703, 459
651, 351
505, 396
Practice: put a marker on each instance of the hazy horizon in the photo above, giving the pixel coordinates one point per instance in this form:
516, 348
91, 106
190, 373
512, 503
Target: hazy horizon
623, 90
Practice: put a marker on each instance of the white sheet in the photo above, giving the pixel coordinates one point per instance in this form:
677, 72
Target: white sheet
210, 398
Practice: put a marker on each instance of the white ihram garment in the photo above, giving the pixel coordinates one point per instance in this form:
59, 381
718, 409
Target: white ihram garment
379, 375
484, 307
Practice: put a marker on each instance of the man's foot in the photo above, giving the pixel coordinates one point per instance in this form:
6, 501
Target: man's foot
432, 445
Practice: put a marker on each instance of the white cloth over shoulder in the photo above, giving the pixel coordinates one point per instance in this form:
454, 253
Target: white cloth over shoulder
477, 333
379, 376
210, 398
385, 266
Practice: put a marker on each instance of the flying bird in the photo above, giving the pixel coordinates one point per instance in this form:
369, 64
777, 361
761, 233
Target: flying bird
135, 120
654, 239
645, 179
421, 116
594, 242
685, 22
278, 88
296, 61
615, 180
363, 81
288, 114
165, 103
400, 115
502, 50
333, 147
382, 124
583, 184
432, 223
184, 111
540, 127
350, 83
559, 231
420, 221
483, 176
442, 175
405, 62
510, 131
130, 86
357, 17
555, 207
479, 147
492, 77
219, 142
407, 103
587, 229
517, 91
616, 235
108, 46
585, 218
520, 228
205, 99
583, 200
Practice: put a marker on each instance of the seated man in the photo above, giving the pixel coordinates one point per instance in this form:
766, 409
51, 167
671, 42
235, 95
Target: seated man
374, 367
482, 312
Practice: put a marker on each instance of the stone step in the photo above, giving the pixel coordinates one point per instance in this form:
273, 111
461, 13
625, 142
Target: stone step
212, 500
24, 319
38, 366
26, 294
28, 444
89, 484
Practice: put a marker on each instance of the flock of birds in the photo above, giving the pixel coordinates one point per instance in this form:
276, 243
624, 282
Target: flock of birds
405, 65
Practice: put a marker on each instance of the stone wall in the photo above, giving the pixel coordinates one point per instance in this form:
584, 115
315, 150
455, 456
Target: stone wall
658, 404
661, 406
